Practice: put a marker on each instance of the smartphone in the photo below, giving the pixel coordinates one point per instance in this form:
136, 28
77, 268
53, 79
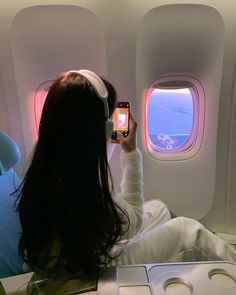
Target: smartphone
121, 119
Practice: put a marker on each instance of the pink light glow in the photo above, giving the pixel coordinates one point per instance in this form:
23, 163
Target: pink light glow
144, 134
35, 106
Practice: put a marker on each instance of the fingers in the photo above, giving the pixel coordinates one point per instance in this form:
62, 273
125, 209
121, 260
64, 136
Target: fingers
120, 137
132, 131
134, 124
132, 117
128, 143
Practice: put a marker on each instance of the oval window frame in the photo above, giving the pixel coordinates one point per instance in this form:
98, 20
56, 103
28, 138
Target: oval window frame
192, 146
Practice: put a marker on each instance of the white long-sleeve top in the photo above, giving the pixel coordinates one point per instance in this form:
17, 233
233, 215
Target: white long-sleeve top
131, 196
159, 239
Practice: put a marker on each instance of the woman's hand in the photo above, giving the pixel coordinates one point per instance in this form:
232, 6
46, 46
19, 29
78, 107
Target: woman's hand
128, 143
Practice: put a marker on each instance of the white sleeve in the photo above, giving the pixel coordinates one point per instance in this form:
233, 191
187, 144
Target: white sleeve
131, 196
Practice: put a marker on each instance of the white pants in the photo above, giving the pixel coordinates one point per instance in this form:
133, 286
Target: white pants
155, 213
180, 239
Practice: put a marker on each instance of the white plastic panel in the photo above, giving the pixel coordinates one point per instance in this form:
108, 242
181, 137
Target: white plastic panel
182, 40
47, 40
231, 198
120, 21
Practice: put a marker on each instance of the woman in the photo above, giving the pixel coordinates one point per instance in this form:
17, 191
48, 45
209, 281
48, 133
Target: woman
70, 219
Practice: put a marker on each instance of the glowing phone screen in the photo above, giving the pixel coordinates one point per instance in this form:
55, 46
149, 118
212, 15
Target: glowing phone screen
121, 119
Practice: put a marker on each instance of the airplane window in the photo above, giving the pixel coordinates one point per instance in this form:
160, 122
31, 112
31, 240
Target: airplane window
170, 118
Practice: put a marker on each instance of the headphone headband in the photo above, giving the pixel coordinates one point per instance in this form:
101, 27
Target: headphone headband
98, 85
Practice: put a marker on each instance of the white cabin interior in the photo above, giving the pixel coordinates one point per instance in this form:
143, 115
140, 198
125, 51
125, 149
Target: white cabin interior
135, 44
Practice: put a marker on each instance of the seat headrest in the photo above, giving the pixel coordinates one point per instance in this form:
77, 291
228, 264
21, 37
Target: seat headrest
9, 153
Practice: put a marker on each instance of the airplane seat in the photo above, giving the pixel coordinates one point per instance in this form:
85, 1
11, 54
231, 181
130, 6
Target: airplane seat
10, 229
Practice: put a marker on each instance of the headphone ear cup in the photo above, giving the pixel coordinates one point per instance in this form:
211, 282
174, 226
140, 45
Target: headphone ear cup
109, 128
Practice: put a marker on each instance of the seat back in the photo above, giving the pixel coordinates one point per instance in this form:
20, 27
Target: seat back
10, 229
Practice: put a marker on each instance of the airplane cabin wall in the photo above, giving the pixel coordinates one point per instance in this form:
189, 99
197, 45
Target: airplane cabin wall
183, 40
31, 52
43, 45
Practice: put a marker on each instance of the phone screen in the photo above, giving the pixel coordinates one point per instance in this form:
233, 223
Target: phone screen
121, 119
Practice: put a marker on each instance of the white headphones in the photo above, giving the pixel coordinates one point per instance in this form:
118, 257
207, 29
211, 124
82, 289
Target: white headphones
102, 92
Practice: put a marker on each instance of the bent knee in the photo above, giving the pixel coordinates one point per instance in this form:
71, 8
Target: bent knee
155, 204
189, 223
157, 209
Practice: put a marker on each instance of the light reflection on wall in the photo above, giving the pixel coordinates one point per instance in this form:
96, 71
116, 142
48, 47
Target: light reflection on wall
144, 117
35, 107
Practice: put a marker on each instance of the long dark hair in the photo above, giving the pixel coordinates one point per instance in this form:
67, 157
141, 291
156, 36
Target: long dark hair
65, 204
